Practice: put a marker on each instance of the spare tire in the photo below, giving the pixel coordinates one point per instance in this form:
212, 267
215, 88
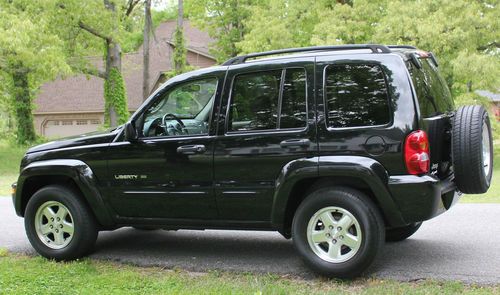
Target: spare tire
472, 149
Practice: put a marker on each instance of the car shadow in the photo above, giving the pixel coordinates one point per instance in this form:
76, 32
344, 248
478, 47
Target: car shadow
250, 251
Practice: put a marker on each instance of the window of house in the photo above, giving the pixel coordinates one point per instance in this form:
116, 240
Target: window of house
95, 122
67, 122
356, 96
255, 101
52, 123
81, 122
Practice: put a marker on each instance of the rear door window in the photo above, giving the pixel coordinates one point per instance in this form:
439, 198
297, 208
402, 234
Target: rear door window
268, 100
356, 95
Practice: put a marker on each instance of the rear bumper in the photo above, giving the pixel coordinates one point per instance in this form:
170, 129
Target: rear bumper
421, 198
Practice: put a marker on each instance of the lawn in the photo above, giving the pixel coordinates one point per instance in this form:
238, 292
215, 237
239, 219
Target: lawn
10, 157
493, 194
26, 275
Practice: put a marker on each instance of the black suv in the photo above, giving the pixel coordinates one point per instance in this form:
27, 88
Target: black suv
339, 147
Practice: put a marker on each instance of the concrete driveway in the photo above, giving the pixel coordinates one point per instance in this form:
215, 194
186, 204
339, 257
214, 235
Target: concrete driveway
463, 244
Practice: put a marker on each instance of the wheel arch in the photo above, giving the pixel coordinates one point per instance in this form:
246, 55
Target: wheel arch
361, 173
74, 174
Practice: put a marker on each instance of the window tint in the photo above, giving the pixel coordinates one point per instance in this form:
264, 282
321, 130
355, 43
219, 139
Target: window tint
356, 95
293, 106
433, 95
254, 101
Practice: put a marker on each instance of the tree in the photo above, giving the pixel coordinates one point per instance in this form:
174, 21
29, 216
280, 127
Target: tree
463, 34
279, 24
225, 22
179, 57
27, 59
105, 20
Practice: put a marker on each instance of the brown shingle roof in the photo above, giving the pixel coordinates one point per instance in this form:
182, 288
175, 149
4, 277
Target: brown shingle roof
85, 94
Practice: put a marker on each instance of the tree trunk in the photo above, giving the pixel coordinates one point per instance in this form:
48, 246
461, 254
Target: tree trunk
145, 49
113, 61
23, 107
179, 50
180, 17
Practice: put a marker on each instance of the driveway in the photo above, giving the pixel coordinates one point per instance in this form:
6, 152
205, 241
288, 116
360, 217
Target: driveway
463, 244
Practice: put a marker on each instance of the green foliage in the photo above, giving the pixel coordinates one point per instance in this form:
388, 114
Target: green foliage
224, 22
28, 58
463, 34
115, 97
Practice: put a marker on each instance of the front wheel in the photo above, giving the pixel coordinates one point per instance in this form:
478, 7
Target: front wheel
59, 225
338, 231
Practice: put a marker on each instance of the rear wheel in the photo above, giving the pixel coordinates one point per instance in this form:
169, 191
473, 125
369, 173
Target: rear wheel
472, 149
401, 233
338, 231
59, 225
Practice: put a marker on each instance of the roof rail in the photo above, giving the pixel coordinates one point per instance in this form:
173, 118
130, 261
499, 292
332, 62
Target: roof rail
375, 48
402, 46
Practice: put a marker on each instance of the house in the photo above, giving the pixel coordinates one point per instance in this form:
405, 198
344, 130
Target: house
494, 101
75, 105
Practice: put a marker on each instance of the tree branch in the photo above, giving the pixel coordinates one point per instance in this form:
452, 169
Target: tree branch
131, 4
94, 32
93, 72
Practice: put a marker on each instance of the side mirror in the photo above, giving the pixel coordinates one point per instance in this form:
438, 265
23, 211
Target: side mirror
130, 131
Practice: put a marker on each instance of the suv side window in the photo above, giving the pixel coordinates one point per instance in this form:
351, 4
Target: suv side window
263, 101
356, 96
183, 110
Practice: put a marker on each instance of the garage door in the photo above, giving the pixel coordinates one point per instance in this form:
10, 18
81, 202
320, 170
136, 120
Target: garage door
63, 128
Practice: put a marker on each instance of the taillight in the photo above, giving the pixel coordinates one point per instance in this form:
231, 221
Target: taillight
417, 157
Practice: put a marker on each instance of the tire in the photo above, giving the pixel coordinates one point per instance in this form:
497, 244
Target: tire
59, 207
472, 149
401, 233
351, 257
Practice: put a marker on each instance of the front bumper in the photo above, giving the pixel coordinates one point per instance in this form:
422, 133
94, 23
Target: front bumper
421, 198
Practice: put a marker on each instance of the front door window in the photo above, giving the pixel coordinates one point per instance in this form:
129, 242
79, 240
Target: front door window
185, 110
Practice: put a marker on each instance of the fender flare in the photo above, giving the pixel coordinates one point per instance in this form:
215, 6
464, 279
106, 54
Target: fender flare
79, 172
367, 170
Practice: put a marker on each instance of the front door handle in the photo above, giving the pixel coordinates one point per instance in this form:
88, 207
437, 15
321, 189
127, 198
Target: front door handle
191, 149
295, 143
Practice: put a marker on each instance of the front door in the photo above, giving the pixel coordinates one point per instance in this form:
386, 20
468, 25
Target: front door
269, 122
168, 172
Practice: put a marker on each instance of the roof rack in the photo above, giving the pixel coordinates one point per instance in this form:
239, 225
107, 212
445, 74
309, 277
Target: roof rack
375, 48
402, 46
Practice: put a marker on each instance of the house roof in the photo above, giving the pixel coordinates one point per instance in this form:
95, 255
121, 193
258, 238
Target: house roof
81, 93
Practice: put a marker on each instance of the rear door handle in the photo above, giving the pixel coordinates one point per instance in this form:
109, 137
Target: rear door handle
295, 143
191, 149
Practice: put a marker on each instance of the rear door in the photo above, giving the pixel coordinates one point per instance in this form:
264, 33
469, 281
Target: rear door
266, 121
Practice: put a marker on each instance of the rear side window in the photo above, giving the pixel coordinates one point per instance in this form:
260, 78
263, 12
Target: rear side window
433, 95
262, 101
356, 96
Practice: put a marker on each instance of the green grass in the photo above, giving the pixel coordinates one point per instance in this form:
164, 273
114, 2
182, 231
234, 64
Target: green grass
10, 158
493, 194
25, 275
